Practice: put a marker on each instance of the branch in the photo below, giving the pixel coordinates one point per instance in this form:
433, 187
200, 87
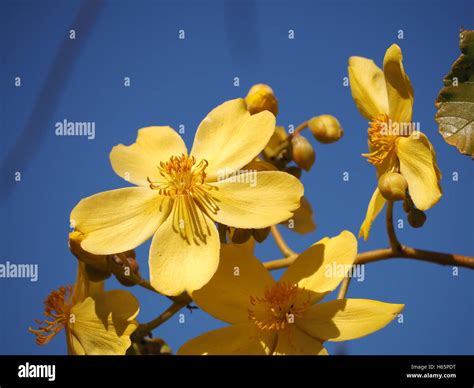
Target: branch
280, 241
406, 252
145, 328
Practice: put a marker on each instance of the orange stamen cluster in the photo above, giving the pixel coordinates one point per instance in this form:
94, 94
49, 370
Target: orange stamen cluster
380, 140
278, 307
181, 174
184, 182
57, 310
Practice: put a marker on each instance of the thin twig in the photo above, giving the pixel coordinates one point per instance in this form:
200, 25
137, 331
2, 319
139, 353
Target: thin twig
299, 128
344, 287
280, 241
145, 328
394, 243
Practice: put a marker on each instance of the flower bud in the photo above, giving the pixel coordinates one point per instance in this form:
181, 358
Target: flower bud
393, 186
259, 98
416, 218
240, 236
260, 235
153, 346
97, 261
293, 170
125, 268
303, 152
408, 204
325, 128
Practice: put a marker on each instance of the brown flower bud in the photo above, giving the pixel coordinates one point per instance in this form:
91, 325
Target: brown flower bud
125, 268
303, 152
393, 186
259, 98
408, 204
260, 235
416, 218
97, 262
240, 236
325, 128
295, 171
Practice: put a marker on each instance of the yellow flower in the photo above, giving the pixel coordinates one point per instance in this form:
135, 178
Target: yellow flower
386, 99
282, 317
96, 322
181, 195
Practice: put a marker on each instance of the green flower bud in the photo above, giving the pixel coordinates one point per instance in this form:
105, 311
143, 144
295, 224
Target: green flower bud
325, 128
416, 218
303, 152
393, 186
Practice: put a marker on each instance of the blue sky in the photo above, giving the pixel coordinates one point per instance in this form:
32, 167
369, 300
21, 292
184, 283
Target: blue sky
177, 82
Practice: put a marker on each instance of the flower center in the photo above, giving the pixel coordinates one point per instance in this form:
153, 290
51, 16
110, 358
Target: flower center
381, 140
184, 182
57, 309
182, 176
278, 307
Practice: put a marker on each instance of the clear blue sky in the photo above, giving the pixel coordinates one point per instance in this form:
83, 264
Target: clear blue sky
177, 82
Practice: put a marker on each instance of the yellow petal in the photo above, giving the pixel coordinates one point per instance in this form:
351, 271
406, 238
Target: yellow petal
399, 89
229, 138
119, 220
239, 276
376, 204
346, 319
368, 87
84, 287
243, 339
321, 267
103, 325
184, 252
141, 159
256, 200
302, 221
418, 166
295, 342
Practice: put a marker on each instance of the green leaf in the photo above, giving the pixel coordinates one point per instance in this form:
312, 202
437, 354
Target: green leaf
455, 102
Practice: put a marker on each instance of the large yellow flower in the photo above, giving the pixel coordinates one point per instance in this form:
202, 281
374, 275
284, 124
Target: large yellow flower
386, 99
96, 322
282, 317
180, 196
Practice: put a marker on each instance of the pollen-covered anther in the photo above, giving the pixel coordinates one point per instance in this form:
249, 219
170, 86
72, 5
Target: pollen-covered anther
278, 307
381, 141
57, 310
184, 181
181, 175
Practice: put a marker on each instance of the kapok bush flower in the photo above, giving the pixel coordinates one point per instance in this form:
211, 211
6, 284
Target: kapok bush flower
180, 196
283, 317
96, 322
385, 97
